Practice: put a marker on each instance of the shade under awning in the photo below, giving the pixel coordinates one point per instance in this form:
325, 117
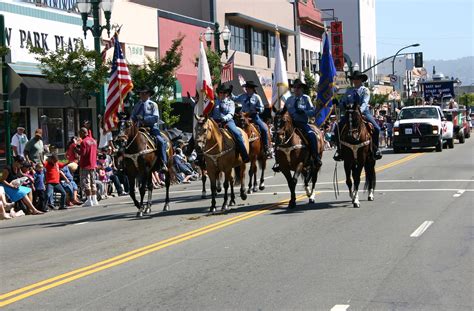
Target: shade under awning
242, 75
40, 83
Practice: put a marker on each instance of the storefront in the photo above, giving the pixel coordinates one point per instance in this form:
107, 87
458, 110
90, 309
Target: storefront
36, 103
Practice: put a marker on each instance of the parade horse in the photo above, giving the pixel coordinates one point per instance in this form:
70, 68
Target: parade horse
292, 154
256, 151
219, 151
357, 152
141, 159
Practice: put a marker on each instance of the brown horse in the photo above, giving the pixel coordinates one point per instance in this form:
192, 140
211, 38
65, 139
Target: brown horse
256, 153
220, 155
292, 154
356, 149
141, 158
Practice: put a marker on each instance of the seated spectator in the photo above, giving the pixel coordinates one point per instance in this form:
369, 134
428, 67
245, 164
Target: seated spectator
5, 207
70, 185
184, 170
39, 194
28, 172
53, 177
112, 172
11, 180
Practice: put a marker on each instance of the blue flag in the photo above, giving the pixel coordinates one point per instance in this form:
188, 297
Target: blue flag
326, 84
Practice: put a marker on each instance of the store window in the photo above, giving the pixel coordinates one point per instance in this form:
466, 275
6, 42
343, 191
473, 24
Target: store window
16, 119
239, 38
271, 45
258, 42
52, 124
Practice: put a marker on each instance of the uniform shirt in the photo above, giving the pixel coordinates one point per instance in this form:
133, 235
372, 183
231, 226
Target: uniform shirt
223, 110
148, 110
364, 97
19, 141
88, 155
250, 103
300, 108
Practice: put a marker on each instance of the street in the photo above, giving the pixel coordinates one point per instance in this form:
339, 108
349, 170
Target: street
410, 249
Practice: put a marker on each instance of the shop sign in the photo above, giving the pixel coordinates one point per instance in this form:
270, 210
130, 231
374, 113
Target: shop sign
135, 54
65, 5
23, 31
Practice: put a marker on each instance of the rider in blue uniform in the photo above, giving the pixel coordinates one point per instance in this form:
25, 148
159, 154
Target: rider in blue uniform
301, 109
252, 103
361, 94
146, 112
223, 113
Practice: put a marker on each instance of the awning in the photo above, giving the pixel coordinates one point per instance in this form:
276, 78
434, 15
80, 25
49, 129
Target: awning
242, 75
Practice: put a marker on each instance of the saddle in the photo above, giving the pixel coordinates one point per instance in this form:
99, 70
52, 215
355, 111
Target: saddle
368, 125
151, 140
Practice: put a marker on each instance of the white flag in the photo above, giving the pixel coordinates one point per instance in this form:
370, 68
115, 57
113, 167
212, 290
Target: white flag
204, 84
280, 76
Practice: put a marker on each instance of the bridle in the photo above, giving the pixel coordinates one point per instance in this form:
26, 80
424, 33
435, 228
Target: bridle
203, 132
354, 132
281, 146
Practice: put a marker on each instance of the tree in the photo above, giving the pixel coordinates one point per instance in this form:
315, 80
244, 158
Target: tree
74, 69
215, 66
466, 99
160, 75
310, 82
378, 99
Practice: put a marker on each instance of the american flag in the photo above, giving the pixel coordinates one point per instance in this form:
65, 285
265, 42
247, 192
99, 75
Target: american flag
227, 72
120, 84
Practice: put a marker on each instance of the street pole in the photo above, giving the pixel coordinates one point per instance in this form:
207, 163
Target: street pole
297, 37
99, 97
217, 39
6, 101
395, 56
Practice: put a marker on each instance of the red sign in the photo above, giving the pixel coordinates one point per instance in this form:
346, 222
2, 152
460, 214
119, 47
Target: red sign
337, 44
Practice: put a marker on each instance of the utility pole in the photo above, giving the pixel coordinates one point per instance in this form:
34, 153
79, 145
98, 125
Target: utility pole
6, 101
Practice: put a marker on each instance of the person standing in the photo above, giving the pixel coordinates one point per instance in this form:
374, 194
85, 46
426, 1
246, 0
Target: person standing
19, 141
146, 112
252, 104
88, 164
34, 149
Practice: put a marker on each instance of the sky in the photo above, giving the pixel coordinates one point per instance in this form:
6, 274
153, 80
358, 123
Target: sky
443, 28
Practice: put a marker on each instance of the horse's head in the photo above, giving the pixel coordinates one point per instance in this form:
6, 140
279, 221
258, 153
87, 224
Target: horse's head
242, 119
127, 131
283, 126
203, 132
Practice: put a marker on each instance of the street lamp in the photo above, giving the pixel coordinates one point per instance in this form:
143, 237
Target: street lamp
315, 62
350, 68
395, 56
85, 7
217, 34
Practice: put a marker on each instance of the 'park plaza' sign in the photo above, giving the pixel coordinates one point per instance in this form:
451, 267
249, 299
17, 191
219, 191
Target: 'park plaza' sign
66, 5
22, 31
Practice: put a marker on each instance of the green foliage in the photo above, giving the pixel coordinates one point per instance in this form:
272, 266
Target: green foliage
160, 76
76, 70
466, 99
378, 99
215, 66
4, 50
310, 82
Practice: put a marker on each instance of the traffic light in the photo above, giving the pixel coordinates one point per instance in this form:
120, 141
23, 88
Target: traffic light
419, 59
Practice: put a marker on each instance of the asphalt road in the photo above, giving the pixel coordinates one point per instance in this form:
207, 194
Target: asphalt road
410, 249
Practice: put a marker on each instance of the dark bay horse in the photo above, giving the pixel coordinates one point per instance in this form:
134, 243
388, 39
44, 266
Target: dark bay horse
218, 149
292, 154
140, 160
256, 152
356, 149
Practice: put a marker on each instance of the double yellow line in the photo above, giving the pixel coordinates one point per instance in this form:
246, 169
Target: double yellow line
36, 288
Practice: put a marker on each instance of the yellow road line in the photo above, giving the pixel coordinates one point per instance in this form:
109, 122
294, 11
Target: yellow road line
61, 279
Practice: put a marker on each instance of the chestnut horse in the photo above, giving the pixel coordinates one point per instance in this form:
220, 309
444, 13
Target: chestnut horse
141, 158
292, 154
220, 155
356, 149
256, 153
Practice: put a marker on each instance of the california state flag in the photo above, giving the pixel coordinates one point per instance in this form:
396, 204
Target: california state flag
204, 85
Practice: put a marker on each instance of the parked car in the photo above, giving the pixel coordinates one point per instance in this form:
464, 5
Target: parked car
420, 127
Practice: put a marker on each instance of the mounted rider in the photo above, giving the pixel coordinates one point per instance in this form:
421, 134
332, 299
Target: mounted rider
361, 94
252, 104
301, 109
223, 114
147, 114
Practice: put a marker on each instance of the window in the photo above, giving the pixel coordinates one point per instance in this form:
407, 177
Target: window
271, 47
51, 122
258, 45
239, 38
16, 119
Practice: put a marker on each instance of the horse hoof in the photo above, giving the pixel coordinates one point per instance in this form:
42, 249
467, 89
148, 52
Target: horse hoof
203, 196
249, 191
261, 187
356, 205
232, 203
371, 198
291, 205
212, 210
243, 195
139, 214
255, 189
219, 189
311, 201
166, 207
225, 208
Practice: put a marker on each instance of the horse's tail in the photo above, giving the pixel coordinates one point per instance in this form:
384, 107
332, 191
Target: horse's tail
237, 179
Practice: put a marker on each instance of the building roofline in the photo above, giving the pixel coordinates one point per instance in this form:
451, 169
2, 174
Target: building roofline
184, 19
253, 20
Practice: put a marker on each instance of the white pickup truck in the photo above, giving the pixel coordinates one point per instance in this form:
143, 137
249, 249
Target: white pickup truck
420, 127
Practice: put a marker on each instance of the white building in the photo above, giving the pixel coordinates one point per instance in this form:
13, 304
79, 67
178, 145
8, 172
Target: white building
359, 30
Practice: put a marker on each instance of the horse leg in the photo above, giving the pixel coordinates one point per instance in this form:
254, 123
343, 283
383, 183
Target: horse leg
132, 192
370, 178
142, 189
225, 205
203, 179
232, 194
243, 195
263, 165
254, 168
150, 196
314, 179
356, 176
249, 190
291, 185
167, 187
213, 194
219, 183
347, 169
